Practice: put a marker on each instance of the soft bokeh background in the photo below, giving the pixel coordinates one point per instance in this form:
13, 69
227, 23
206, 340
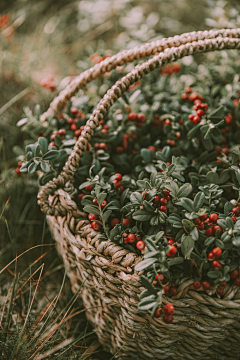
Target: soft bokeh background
57, 38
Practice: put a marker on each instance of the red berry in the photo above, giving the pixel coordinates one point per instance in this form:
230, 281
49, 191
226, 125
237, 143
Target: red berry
191, 117
140, 245
197, 222
196, 285
223, 284
217, 252
131, 238
200, 226
159, 277
17, 170
171, 242
125, 240
156, 199
234, 274
210, 255
193, 96
132, 116
217, 228
209, 232
165, 192
105, 131
92, 217
234, 219
96, 146
168, 319
116, 183
196, 120
118, 177
184, 96
216, 264
126, 223
203, 217
163, 201
52, 144
141, 117
172, 251
95, 201
89, 188
236, 210
168, 198
74, 110
61, 132
152, 148
125, 235
95, 226
19, 164
103, 204
168, 309
121, 189
80, 196
69, 121
206, 285
163, 208
119, 149
166, 290
173, 291
158, 313
103, 146
115, 221
167, 122
73, 127
213, 218
200, 112
138, 238
78, 132
237, 282
220, 291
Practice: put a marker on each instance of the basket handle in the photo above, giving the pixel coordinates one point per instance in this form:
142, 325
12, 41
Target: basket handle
127, 56
169, 55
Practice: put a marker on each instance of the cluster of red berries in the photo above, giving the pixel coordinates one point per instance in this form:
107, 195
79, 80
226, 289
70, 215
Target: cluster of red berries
168, 311
199, 107
169, 290
229, 119
48, 83
60, 132
132, 238
162, 201
118, 182
17, 170
137, 118
171, 69
101, 146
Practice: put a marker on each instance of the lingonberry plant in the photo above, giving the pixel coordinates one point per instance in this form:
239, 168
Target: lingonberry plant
160, 176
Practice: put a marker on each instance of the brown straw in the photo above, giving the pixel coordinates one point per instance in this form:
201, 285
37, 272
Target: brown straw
205, 326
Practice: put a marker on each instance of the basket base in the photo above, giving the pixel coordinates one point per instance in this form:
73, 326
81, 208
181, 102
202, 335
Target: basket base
129, 334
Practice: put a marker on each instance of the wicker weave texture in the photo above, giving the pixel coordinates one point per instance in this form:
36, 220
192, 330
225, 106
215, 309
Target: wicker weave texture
204, 327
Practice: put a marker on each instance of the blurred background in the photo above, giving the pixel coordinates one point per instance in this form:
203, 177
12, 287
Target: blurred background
56, 39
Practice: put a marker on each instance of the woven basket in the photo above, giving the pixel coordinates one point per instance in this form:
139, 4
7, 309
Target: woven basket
204, 327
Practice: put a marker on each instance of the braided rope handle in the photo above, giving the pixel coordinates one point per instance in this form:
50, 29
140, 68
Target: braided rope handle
170, 54
127, 56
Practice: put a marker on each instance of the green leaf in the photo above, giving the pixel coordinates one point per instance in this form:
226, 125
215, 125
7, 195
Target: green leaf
45, 167
146, 155
209, 240
153, 178
101, 197
91, 210
194, 132
106, 215
186, 203
58, 140
148, 206
212, 177
150, 168
136, 197
175, 261
214, 274
43, 144
195, 234
146, 283
145, 264
51, 155
217, 114
187, 245
32, 168
146, 304
236, 241
198, 200
184, 190
142, 215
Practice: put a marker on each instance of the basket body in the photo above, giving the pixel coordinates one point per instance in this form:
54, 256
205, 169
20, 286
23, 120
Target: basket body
204, 327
